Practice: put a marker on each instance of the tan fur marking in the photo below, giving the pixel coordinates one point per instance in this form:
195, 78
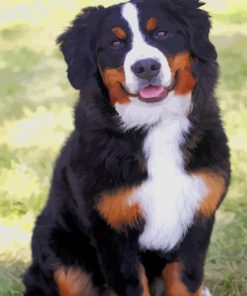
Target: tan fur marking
112, 80
74, 282
181, 64
119, 32
117, 211
110, 293
174, 286
216, 186
151, 24
144, 282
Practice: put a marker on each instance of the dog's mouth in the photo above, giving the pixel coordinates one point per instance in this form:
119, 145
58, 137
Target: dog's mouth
152, 93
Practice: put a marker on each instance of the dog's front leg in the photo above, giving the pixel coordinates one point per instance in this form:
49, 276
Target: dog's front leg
118, 254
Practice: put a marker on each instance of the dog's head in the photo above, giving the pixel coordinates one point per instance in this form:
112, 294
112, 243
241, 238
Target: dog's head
145, 52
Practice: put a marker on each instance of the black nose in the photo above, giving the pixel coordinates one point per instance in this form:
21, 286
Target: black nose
146, 69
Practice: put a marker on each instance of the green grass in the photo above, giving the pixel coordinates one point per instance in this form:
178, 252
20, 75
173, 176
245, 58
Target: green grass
36, 117
236, 17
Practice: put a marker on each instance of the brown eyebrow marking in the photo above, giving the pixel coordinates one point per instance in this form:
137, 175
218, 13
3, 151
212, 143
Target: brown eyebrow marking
119, 32
151, 24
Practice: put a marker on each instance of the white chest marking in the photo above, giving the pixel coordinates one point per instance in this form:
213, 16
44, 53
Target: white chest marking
170, 197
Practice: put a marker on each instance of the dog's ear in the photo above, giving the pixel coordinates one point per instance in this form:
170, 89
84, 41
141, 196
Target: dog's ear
200, 45
78, 46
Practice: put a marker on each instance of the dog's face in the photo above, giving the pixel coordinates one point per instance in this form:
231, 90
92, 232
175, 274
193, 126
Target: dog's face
136, 54
145, 52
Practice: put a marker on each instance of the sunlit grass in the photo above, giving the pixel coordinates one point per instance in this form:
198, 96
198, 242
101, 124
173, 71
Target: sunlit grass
43, 128
36, 117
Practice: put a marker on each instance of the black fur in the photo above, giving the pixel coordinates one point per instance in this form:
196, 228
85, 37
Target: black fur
100, 157
77, 45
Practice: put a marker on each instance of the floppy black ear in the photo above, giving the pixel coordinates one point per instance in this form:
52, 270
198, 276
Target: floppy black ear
78, 46
200, 45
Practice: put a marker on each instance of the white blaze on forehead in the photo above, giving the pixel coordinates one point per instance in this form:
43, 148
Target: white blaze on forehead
130, 13
140, 49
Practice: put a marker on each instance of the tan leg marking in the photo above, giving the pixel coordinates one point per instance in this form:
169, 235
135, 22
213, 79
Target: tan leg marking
74, 282
110, 293
144, 282
215, 185
174, 286
117, 209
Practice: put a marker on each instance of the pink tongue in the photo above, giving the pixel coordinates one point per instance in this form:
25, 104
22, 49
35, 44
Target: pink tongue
151, 92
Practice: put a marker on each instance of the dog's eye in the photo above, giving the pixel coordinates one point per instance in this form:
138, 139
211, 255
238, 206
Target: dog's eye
117, 44
160, 35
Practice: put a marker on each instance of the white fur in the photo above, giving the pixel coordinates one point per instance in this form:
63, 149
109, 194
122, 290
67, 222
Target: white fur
206, 292
137, 114
141, 50
170, 197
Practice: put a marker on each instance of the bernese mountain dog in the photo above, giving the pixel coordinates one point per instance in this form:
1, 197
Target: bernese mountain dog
137, 184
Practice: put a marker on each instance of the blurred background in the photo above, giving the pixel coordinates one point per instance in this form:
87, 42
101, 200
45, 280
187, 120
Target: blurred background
36, 104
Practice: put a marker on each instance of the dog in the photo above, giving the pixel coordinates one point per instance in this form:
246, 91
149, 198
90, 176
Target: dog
138, 182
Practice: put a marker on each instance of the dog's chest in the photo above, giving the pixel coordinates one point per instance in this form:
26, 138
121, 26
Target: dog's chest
170, 197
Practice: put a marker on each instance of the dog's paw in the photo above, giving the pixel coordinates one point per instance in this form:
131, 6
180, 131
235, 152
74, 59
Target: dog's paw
206, 292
